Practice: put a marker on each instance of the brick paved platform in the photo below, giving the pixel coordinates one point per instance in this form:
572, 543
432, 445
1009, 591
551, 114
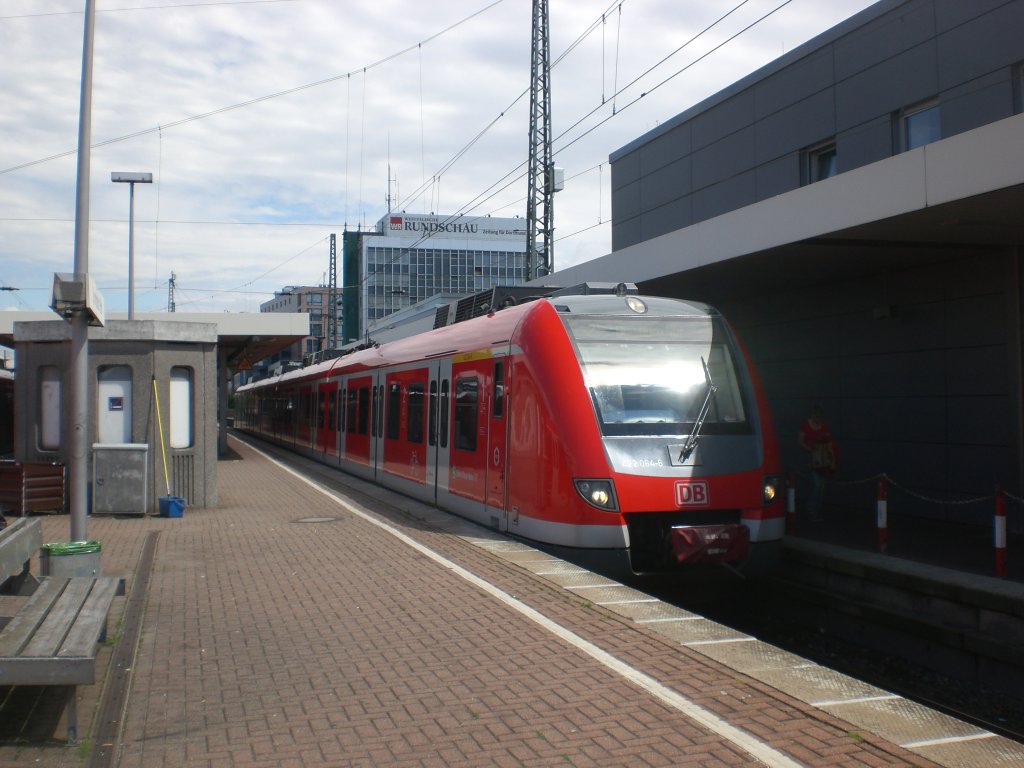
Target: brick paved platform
285, 628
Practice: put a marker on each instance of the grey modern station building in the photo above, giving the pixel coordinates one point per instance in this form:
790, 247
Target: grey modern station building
856, 209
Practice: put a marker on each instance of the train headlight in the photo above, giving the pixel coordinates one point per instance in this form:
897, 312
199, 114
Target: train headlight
772, 490
598, 493
637, 305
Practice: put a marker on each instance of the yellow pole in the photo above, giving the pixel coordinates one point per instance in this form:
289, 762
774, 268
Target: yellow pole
160, 423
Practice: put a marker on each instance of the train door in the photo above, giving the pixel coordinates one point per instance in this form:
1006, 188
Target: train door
304, 416
327, 403
377, 425
470, 450
405, 442
439, 428
357, 419
496, 441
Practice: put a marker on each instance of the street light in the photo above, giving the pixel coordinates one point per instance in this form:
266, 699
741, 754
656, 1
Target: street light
131, 179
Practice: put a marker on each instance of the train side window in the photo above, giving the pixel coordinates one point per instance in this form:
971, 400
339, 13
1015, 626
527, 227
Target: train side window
373, 412
342, 400
414, 430
332, 408
394, 403
364, 410
380, 412
321, 409
432, 415
467, 399
443, 432
353, 409
498, 399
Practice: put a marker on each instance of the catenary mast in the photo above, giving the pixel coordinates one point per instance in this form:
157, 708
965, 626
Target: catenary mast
540, 174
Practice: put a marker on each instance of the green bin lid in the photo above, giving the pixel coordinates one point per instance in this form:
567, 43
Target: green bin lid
58, 548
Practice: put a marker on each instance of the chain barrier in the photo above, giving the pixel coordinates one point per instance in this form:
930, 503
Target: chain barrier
921, 496
884, 482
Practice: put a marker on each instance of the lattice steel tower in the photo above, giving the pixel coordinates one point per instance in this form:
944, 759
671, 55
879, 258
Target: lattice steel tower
332, 296
540, 193
170, 293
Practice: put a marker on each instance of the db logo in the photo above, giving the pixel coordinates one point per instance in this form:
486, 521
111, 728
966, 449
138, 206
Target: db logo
692, 494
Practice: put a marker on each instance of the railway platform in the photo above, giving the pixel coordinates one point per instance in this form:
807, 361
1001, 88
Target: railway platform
323, 622
967, 549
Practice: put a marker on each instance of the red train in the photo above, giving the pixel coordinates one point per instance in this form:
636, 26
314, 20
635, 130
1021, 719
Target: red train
607, 421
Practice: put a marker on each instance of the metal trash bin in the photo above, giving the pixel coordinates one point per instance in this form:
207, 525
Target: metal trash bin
70, 558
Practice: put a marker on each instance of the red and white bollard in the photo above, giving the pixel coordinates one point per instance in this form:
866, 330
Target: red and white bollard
790, 504
1000, 533
883, 514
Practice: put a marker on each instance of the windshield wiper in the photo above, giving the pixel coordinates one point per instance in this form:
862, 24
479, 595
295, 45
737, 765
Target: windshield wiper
691, 441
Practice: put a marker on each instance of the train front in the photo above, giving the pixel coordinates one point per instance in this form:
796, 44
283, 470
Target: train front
694, 465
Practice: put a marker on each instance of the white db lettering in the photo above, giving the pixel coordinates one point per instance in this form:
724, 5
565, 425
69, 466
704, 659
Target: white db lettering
692, 494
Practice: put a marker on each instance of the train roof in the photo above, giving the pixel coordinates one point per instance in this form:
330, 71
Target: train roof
490, 327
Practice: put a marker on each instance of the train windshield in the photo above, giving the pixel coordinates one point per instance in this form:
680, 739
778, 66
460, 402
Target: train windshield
651, 375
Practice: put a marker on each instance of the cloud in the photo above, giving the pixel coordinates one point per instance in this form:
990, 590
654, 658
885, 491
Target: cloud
245, 198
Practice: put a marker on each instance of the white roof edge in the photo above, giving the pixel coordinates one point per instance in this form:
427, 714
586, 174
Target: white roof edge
228, 323
975, 162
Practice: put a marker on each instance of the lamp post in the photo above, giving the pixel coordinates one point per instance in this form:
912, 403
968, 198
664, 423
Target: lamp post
131, 179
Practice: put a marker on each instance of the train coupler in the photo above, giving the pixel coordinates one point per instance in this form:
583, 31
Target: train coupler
709, 543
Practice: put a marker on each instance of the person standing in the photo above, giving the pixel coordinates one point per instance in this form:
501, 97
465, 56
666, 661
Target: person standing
815, 437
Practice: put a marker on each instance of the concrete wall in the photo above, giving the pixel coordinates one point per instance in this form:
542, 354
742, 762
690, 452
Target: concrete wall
748, 143
149, 349
918, 370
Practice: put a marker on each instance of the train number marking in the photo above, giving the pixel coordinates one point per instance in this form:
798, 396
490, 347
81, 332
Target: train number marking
692, 494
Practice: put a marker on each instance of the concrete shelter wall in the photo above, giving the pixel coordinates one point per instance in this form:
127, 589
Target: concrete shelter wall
150, 350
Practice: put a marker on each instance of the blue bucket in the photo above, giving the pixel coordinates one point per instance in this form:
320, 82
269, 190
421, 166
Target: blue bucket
171, 506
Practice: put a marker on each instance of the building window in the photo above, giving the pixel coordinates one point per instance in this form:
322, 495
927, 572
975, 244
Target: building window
49, 407
180, 407
820, 162
314, 299
919, 125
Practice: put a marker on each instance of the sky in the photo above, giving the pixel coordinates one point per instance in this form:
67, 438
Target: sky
268, 125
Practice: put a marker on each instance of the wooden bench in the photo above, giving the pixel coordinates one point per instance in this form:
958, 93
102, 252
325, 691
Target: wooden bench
19, 542
52, 639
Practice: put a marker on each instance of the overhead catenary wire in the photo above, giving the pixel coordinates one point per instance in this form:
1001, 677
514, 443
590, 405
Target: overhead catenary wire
509, 178
505, 181
257, 100
163, 7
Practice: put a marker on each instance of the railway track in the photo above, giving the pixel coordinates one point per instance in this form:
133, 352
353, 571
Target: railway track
794, 618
